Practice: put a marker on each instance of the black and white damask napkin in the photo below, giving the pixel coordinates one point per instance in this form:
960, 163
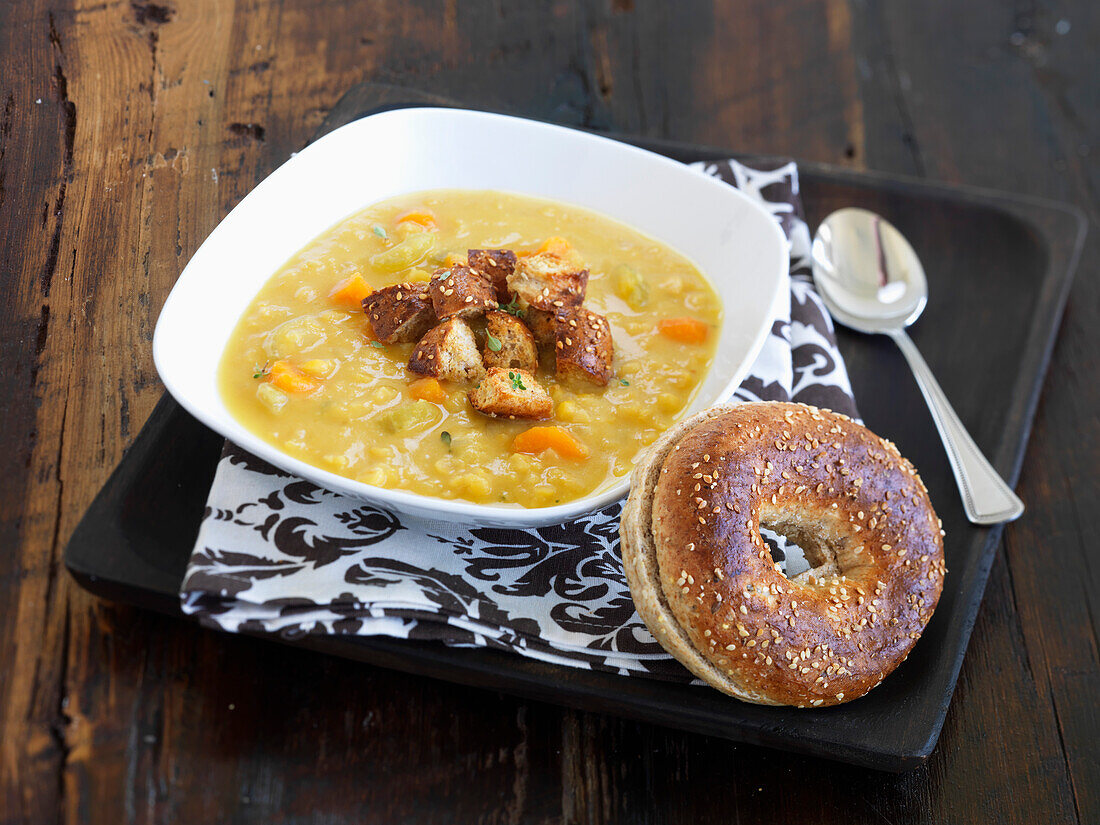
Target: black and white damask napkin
278, 554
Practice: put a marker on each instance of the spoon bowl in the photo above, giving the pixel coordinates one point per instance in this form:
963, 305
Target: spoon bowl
867, 273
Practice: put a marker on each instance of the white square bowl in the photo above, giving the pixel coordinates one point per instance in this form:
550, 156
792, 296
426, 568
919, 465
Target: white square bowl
733, 240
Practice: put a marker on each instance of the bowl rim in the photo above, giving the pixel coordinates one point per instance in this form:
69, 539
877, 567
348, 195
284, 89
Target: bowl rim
417, 503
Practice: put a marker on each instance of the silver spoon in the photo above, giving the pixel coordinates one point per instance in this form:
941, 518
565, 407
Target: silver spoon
872, 281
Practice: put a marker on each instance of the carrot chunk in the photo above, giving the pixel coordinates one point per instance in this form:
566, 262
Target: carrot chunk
684, 330
556, 246
418, 219
537, 439
428, 389
351, 291
289, 378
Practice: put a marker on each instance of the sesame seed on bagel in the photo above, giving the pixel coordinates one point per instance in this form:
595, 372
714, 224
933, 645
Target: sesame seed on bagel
705, 584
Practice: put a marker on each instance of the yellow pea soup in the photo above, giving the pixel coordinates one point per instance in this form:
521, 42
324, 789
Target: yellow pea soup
303, 372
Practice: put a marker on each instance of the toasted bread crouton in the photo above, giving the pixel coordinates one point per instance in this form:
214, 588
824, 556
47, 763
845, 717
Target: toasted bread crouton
548, 282
448, 351
515, 345
584, 350
399, 314
543, 326
511, 394
460, 292
495, 265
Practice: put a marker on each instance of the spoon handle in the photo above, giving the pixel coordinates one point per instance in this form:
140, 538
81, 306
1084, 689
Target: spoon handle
986, 497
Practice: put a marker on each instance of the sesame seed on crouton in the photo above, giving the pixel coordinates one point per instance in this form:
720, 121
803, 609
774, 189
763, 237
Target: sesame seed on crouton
548, 282
506, 393
460, 292
399, 314
508, 342
495, 265
448, 351
583, 349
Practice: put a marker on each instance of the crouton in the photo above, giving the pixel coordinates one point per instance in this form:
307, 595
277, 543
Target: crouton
448, 351
511, 394
460, 292
495, 265
583, 349
549, 283
399, 314
543, 326
508, 342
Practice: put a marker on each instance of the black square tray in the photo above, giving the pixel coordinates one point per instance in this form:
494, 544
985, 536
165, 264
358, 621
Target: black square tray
999, 268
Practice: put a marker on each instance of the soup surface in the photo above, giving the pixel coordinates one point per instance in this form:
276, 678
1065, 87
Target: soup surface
304, 371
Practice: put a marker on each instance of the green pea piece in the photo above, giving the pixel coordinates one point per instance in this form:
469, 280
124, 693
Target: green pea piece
631, 286
409, 252
409, 418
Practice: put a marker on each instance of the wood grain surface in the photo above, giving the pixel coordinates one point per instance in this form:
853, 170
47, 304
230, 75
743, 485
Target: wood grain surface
128, 129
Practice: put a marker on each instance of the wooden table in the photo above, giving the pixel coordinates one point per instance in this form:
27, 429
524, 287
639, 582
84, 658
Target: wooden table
128, 129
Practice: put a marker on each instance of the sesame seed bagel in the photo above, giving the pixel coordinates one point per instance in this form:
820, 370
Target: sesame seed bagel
704, 581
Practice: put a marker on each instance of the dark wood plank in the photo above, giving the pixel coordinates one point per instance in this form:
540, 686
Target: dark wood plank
37, 132
115, 715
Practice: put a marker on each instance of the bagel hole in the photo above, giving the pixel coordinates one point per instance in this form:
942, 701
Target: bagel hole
789, 556
807, 547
